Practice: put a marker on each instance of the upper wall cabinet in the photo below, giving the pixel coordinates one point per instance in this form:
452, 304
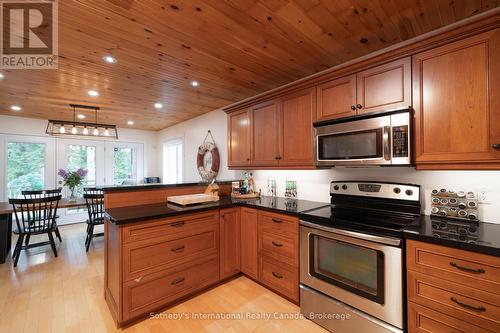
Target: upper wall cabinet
239, 138
456, 91
385, 87
265, 133
296, 140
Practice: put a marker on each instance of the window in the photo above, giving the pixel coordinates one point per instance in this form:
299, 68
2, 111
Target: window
124, 166
82, 156
25, 167
172, 161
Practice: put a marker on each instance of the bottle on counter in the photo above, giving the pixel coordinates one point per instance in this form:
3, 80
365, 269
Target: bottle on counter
251, 184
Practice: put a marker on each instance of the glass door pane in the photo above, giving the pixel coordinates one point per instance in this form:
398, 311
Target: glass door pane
351, 145
351, 267
82, 156
25, 167
124, 166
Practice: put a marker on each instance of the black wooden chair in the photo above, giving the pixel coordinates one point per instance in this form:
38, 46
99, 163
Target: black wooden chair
34, 217
95, 208
36, 194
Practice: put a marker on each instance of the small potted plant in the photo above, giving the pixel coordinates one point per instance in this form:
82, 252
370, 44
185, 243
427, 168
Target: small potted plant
72, 179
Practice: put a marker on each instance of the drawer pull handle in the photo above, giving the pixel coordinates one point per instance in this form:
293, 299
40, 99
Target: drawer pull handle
138, 279
177, 224
277, 244
467, 269
178, 249
277, 220
278, 276
468, 306
178, 281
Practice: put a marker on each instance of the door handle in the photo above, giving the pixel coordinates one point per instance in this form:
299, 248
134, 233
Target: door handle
468, 306
353, 107
359, 106
467, 269
386, 139
177, 224
496, 146
277, 220
178, 249
276, 244
276, 275
177, 281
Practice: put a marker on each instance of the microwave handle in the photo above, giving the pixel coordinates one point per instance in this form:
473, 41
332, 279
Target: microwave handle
386, 140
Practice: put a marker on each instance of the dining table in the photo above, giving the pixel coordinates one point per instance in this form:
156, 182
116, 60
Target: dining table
6, 219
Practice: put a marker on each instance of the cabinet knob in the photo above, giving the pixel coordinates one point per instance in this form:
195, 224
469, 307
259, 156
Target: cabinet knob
353, 107
359, 106
177, 281
496, 146
248, 159
276, 275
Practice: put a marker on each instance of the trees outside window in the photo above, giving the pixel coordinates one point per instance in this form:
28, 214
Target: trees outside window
25, 167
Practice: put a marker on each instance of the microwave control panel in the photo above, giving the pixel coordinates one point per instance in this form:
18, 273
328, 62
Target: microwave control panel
400, 141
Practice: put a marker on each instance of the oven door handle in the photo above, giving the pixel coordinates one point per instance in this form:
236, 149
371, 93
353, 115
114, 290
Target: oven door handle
372, 238
386, 140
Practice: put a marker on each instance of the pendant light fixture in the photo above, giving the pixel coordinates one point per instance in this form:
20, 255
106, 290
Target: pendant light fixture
63, 127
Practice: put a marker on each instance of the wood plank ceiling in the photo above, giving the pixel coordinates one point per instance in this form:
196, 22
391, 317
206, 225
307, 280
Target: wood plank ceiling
234, 49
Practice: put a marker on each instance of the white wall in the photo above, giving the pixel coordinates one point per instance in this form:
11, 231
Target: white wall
193, 132
36, 127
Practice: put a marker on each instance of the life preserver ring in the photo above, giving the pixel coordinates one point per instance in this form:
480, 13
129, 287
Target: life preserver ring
210, 174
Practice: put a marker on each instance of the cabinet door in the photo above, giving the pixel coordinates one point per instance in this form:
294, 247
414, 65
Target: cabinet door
337, 98
249, 262
385, 87
457, 104
229, 242
239, 138
296, 140
265, 126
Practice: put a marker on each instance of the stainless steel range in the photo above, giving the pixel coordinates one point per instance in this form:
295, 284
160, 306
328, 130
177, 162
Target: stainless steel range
351, 268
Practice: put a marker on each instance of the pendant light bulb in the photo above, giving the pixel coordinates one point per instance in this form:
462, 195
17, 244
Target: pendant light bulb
96, 131
85, 131
62, 130
106, 132
74, 130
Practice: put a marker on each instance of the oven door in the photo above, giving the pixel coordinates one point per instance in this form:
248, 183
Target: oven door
354, 268
355, 142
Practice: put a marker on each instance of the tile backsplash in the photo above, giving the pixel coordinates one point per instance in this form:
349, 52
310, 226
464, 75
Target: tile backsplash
315, 184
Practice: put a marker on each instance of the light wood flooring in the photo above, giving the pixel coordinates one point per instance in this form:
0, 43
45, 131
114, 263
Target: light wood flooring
65, 294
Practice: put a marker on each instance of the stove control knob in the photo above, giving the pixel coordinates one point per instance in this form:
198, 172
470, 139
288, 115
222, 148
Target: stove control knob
336, 187
409, 192
397, 190
344, 187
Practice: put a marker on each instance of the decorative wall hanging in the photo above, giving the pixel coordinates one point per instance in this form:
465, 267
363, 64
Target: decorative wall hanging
208, 160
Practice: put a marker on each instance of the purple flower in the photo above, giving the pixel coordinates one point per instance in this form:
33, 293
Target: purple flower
63, 174
81, 172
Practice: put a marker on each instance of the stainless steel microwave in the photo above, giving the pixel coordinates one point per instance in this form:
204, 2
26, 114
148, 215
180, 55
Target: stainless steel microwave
381, 139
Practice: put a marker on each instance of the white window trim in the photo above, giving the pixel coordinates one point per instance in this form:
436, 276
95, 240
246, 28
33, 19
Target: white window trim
171, 142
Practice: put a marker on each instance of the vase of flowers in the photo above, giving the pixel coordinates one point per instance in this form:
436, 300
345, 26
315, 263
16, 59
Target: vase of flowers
72, 179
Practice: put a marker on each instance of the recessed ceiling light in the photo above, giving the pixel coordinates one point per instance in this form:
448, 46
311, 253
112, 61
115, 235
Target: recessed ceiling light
1, 76
109, 59
15, 108
81, 116
195, 83
130, 122
158, 105
93, 93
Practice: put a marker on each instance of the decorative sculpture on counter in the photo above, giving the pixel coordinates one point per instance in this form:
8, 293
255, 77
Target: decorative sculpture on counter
208, 160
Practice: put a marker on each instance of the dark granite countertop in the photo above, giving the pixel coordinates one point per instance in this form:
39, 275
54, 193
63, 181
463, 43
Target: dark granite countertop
132, 214
479, 237
135, 187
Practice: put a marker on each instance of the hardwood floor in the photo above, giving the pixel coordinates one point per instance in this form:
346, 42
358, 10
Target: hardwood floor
65, 294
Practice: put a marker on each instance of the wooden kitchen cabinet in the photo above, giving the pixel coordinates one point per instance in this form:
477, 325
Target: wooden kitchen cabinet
296, 137
385, 87
265, 133
249, 260
239, 138
456, 89
336, 98
451, 290
230, 242
381, 88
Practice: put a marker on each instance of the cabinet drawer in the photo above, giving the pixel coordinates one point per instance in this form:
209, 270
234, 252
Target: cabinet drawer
280, 277
457, 300
464, 267
425, 320
284, 248
278, 223
170, 228
156, 290
146, 256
